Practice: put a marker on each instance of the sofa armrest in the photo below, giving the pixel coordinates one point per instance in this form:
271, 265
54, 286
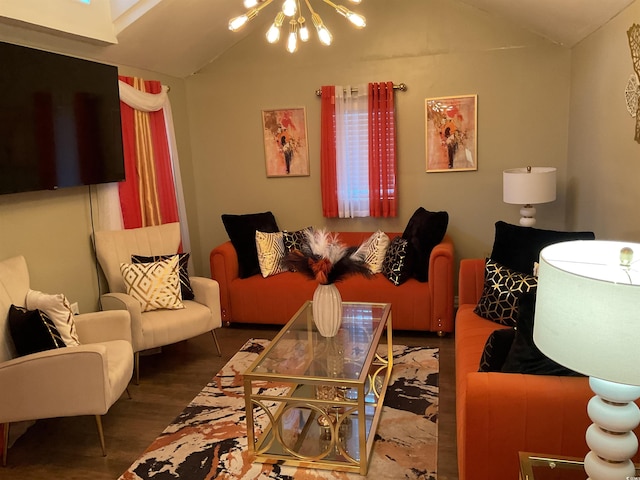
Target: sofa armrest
500, 414
122, 301
470, 280
103, 326
223, 261
207, 292
441, 286
46, 384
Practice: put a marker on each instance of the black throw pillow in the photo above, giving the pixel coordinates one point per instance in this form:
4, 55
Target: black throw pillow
496, 349
242, 233
519, 247
524, 356
32, 331
424, 231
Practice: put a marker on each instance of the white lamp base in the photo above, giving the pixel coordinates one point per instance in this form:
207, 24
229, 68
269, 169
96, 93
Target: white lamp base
610, 438
528, 216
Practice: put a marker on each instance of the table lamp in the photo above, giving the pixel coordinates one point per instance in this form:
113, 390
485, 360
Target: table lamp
528, 186
588, 319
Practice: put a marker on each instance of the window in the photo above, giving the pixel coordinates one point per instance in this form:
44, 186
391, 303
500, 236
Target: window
358, 153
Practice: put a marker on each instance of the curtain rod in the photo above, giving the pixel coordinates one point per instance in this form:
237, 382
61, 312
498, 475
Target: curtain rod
402, 87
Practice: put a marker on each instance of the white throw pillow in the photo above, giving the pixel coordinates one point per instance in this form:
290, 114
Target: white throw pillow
58, 309
155, 285
373, 250
270, 248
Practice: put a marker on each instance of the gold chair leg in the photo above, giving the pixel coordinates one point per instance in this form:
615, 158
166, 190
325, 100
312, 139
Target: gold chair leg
101, 434
136, 366
215, 339
5, 443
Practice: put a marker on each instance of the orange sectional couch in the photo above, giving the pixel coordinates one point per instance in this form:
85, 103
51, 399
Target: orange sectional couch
426, 306
499, 414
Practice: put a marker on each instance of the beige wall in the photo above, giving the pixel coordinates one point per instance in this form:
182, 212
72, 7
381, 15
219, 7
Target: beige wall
438, 48
604, 159
52, 228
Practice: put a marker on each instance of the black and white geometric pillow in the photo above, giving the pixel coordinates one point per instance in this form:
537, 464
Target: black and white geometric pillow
396, 266
502, 290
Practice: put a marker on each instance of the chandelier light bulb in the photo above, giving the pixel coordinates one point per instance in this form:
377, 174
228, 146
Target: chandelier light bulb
304, 31
323, 32
250, 3
357, 2
290, 7
357, 20
238, 22
292, 40
273, 34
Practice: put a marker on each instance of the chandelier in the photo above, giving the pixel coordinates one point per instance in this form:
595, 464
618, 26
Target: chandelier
297, 24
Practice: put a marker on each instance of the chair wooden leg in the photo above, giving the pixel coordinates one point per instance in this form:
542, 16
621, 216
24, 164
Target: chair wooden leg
101, 434
136, 367
5, 443
129, 393
215, 339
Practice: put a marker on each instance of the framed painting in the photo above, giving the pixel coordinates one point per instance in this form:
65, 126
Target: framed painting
285, 142
451, 133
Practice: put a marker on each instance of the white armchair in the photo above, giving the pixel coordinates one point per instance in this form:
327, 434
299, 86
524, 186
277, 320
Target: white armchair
155, 328
70, 381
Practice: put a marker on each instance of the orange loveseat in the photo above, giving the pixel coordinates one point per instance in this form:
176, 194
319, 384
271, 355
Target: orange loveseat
499, 414
426, 306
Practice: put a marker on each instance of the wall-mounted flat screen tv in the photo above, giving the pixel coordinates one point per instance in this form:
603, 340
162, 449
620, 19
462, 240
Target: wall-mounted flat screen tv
59, 121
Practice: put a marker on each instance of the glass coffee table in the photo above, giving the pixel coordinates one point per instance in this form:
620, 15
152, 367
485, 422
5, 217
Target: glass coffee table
316, 402
551, 467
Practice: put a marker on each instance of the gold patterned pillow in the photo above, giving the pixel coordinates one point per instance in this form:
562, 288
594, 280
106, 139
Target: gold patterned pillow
270, 247
155, 285
503, 288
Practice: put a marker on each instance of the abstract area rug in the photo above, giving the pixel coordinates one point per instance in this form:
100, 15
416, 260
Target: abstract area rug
208, 439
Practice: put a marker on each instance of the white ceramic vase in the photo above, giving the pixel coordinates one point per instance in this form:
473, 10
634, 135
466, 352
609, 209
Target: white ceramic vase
327, 309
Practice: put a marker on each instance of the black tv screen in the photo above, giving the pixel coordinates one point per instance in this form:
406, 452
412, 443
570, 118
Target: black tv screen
59, 121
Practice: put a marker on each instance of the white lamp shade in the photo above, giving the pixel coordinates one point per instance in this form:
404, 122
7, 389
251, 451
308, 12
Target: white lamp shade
529, 185
588, 309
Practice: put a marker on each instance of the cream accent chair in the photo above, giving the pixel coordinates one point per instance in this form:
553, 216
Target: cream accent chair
63, 382
155, 328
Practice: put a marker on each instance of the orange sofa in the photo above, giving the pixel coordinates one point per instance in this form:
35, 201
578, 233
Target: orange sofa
499, 414
426, 306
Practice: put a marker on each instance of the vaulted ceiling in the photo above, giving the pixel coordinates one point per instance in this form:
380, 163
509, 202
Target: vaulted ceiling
179, 37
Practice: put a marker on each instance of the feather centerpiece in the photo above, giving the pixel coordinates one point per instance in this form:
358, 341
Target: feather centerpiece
325, 259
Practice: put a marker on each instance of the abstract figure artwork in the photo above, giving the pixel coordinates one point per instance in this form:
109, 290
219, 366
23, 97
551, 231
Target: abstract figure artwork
451, 133
285, 142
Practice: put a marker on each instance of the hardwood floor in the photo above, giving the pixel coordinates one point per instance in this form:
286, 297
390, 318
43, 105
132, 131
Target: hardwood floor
69, 449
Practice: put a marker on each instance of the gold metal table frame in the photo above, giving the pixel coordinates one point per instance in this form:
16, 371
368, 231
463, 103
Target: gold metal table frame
316, 402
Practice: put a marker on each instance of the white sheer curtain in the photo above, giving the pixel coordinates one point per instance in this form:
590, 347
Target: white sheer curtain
109, 212
352, 151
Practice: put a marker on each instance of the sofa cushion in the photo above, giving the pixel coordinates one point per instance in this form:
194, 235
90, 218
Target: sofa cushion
398, 261
32, 331
242, 233
183, 264
373, 250
295, 240
57, 308
502, 290
424, 231
496, 350
155, 285
270, 253
524, 356
519, 247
